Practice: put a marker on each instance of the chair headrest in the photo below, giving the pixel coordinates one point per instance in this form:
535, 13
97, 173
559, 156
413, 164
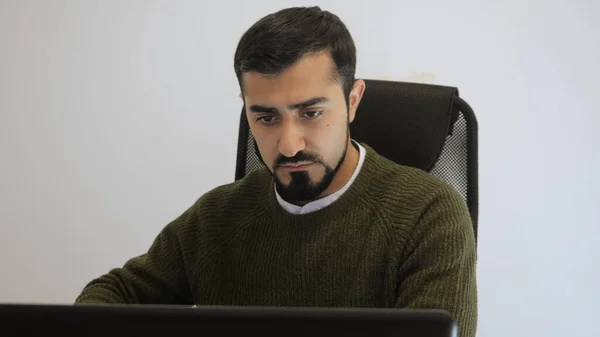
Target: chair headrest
405, 122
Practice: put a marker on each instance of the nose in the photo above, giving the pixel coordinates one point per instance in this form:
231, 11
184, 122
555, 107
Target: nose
291, 139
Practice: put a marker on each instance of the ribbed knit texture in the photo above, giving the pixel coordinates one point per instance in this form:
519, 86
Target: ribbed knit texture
398, 237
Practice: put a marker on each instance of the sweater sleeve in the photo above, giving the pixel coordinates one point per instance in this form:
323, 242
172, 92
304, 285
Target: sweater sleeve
156, 277
439, 263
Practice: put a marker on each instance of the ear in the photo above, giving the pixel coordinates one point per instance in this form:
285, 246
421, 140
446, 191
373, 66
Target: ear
355, 96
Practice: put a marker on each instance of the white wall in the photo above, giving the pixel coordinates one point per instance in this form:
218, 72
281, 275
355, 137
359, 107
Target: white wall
116, 115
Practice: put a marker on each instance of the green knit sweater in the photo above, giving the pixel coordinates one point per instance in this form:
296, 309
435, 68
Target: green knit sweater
398, 237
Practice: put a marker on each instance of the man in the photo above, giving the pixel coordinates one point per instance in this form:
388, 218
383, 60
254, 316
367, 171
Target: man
329, 222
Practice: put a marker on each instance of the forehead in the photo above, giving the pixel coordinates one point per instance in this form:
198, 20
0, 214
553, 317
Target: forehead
311, 76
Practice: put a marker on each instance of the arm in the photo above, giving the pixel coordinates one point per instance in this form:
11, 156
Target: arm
440, 260
156, 277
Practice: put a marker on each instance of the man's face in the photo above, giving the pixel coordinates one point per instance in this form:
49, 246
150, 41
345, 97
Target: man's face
299, 119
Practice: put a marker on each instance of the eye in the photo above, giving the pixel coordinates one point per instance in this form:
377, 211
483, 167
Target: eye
313, 114
267, 120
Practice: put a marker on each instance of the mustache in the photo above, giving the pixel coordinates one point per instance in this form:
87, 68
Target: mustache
299, 157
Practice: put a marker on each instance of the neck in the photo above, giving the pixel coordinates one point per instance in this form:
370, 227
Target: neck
345, 171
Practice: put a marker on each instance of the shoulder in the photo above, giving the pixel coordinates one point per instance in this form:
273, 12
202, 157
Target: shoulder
217, 210
405, 195
421, 209
420, 185
245, 193
409, 186
441, 216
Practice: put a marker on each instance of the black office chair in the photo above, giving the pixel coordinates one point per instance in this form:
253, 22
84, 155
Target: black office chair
420, 125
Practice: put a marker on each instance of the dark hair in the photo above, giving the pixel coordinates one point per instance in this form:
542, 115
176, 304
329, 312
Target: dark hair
278, 40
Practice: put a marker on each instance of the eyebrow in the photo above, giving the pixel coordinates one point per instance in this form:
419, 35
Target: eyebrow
257, 108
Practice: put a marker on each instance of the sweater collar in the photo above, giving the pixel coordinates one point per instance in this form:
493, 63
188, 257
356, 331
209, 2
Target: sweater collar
358, 196
326, 201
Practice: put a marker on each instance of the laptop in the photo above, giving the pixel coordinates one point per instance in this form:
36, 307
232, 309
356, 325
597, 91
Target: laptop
24, 320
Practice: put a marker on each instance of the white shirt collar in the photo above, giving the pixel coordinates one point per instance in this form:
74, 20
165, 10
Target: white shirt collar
324, 202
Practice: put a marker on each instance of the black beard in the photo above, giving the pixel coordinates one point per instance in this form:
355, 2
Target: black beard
300, 189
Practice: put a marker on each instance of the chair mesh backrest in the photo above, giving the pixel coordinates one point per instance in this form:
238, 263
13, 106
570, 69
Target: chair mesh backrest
451, 165
419, 125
